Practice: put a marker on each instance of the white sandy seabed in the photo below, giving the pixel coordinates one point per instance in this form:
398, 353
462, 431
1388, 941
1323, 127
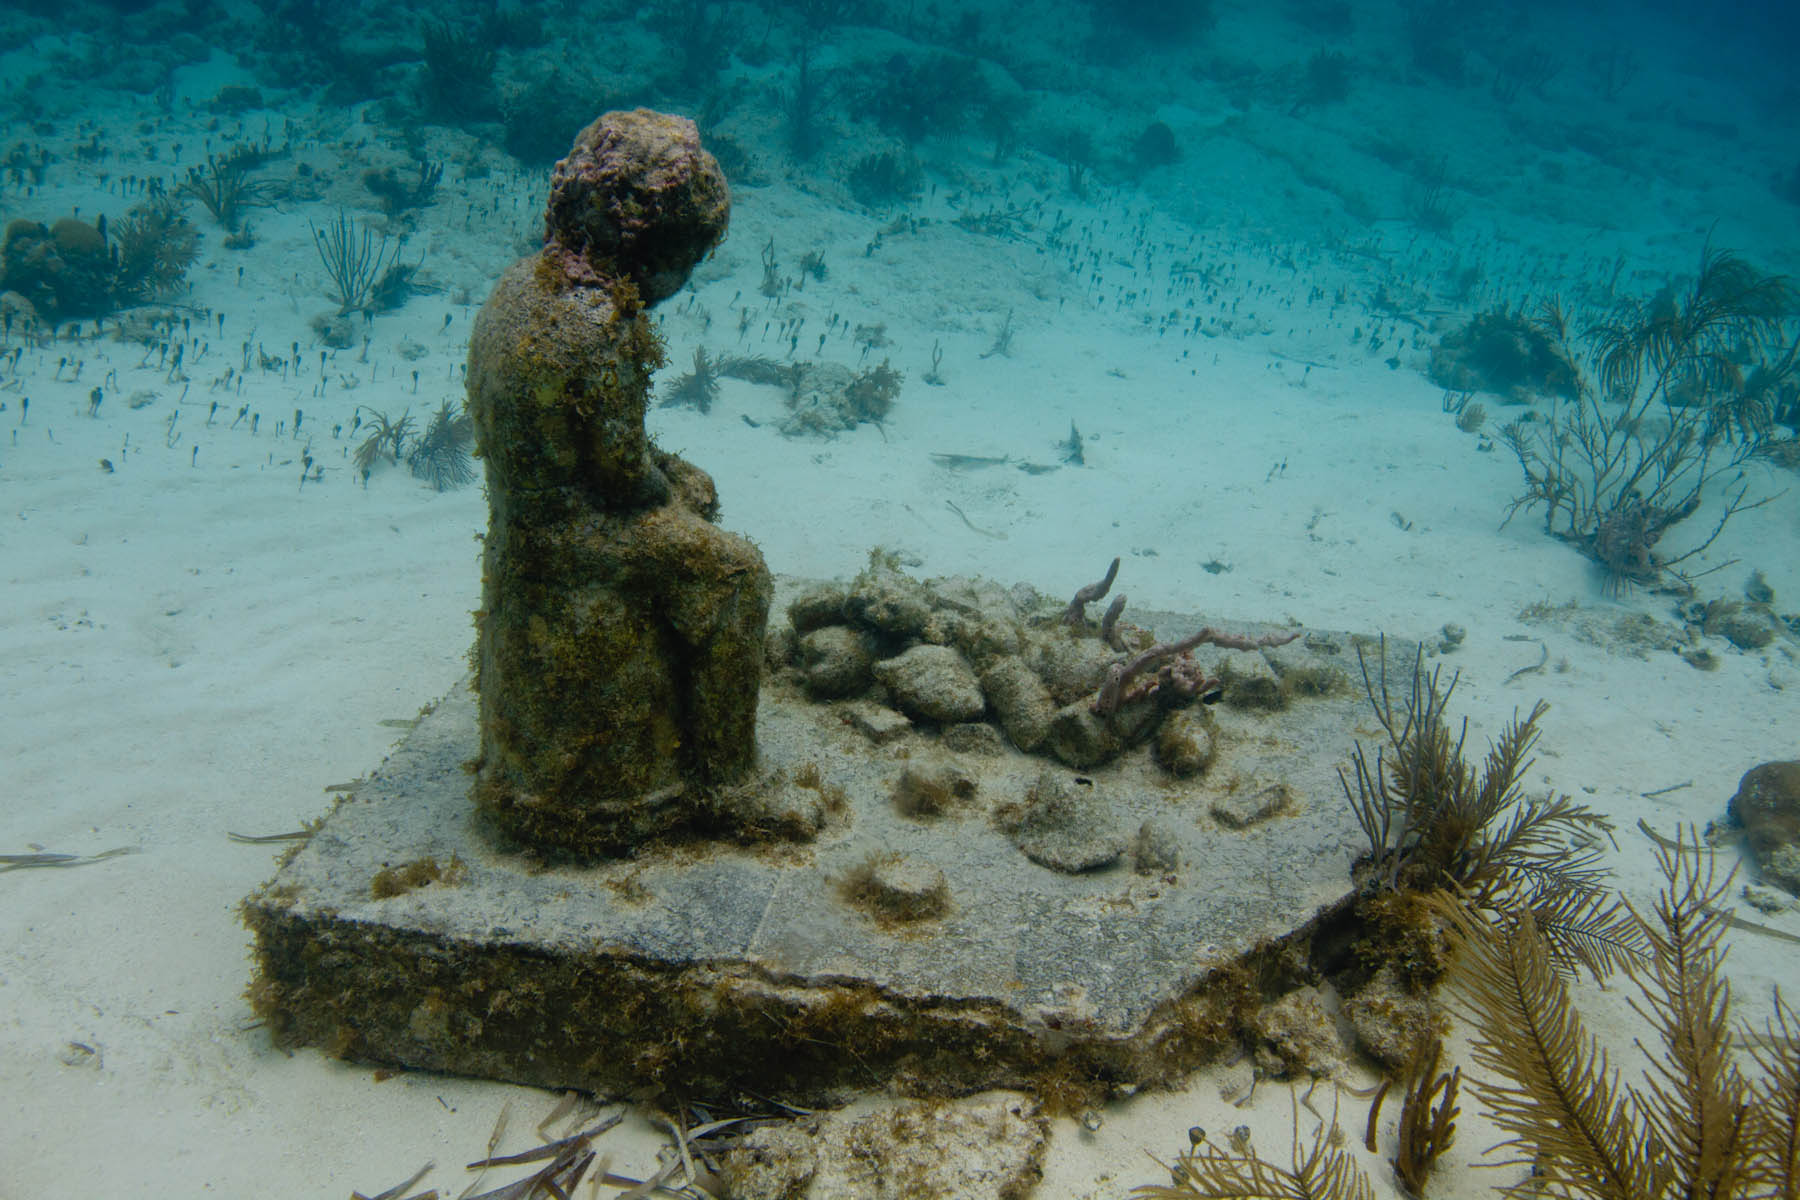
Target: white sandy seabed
196, 642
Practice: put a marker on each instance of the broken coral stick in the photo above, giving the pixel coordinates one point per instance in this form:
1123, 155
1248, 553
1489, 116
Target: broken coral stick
1112, 692
1076, 613
1109, 623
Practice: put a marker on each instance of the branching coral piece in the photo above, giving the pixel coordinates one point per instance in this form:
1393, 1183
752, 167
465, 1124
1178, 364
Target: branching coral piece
153, 247
1427, 1129
441, 455
385, 440
1634, 448
1435, 823
1119, 676
224, 185
1325, 1171
1076, 613
699, 387
1109, 621
356, 262
1697, 1127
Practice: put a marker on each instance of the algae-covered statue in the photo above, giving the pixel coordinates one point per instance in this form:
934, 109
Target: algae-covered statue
620, 629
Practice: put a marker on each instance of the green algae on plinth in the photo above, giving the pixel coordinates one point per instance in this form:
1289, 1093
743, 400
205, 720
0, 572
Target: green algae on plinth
619, 655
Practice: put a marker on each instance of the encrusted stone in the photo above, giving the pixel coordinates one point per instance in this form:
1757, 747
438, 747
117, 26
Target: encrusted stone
1767, 805
1251, 803
1746, 626
781, 645
817, 607
975, 737
990, 1145
1068, 826
897, 888
1073, 668
932, 683
1080, 738
1393, 1024
1184, 743
877, 722
1155, 850
890, 602
931, 788
1298, 1037
1304, 672
1250, 682
1020, 699
774, 1162
834, 662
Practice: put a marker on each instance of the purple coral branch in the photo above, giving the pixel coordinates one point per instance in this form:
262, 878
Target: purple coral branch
1119, 675
1076, 613
1109, 623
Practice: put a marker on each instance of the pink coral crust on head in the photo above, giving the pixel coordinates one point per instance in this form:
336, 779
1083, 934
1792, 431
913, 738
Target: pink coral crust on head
638, 198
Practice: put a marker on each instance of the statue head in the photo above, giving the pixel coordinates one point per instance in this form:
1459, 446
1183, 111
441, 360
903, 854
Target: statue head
639, 199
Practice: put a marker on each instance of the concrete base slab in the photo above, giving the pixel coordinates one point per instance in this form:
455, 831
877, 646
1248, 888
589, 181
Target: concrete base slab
404, 932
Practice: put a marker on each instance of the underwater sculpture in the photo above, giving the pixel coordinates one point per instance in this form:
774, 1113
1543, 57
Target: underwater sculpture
966, 912
621, 630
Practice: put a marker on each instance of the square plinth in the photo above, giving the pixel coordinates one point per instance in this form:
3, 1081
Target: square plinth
405, 932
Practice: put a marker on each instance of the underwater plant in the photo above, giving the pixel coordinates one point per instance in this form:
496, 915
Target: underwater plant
440, 455
153, 246
1073, 146
916, 98
223, 185
1156, 19
1505, 353
885, 177
1437, 824
1327, 81
1323, 18
1155, 147
1699, 1122
458, 80
803, 105
1470, 413
871, 394
1613, 70
542, 114
517, 28
398, 195
358, 265
999, 117
386, 439
1428, 1115
1436, 36
1427, 196
1531, 67
1668, 412
696, 389
701, 33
